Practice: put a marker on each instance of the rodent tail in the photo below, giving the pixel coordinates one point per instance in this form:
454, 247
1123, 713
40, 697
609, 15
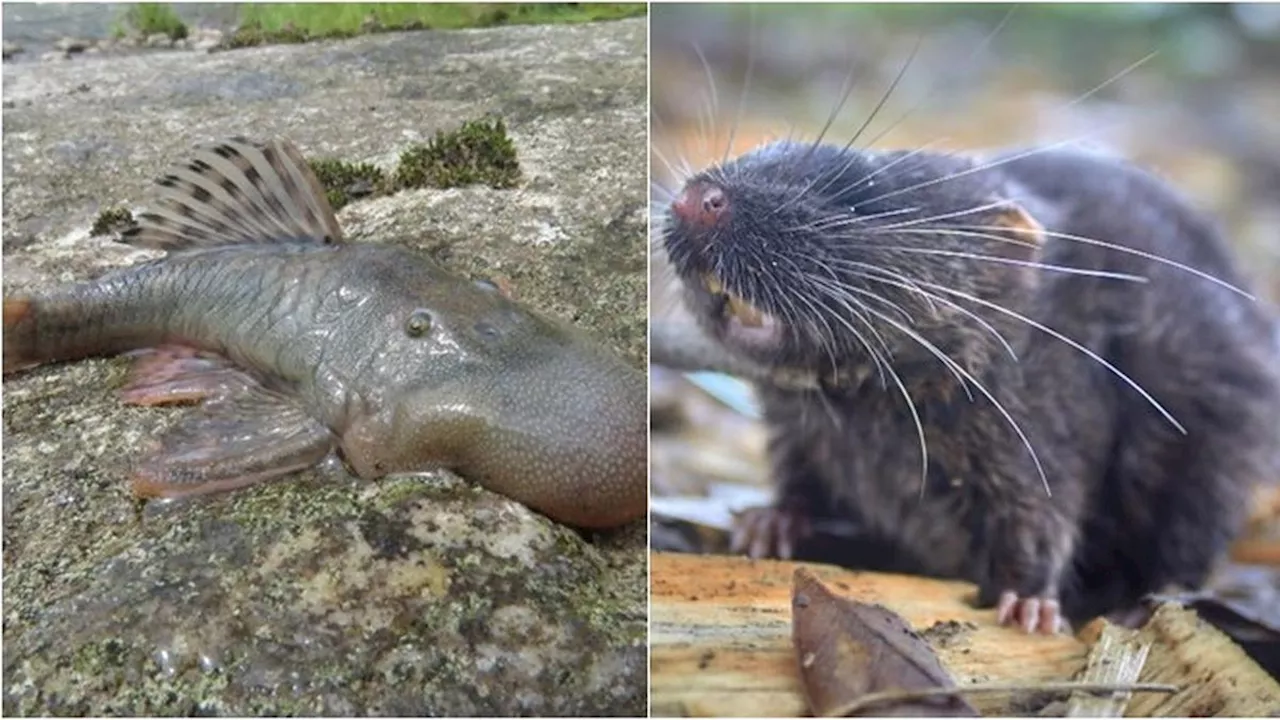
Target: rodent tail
19, 334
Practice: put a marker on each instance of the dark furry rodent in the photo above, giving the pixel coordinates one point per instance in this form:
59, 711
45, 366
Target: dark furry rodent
788, 250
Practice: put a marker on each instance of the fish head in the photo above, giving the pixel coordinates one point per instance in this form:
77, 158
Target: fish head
523, 405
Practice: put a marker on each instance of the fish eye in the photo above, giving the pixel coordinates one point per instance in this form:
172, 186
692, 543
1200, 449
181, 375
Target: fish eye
418, 324
486, 330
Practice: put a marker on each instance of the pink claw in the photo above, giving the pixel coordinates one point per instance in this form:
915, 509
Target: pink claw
1033, 614
767, 532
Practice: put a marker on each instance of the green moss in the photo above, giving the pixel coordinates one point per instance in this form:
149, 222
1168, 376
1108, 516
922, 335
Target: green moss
478, 153
152, 18
111, 220
250, 35
262, 23
344, 181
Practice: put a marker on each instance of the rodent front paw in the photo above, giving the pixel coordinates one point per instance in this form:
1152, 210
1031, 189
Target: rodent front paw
1032, 614
768, 532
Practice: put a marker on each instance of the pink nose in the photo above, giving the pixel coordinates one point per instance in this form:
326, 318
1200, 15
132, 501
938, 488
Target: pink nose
700, 204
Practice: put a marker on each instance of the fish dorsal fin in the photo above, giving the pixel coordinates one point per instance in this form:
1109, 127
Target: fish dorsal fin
237, 192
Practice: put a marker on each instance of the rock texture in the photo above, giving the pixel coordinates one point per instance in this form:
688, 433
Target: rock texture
322, 594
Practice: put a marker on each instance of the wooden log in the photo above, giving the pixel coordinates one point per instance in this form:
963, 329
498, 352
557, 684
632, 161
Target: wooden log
720, 638
720, 633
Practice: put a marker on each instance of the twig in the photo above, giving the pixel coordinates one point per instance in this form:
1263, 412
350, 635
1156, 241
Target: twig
877, 698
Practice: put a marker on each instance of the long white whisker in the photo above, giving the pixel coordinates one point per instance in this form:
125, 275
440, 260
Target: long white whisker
676, 174
915, 222
1120, 249
1079, 99
998, 163
1054, 333
1108, 82
828, 344
882, 367
843, 289
897, 161
833, 291
906, 316
746, 84
845, 92
902, 72
883, 272
1067, 270
846, 221
666, 196
911, 287
866, 123
1026, 442
824, 287
933, 86
711, 79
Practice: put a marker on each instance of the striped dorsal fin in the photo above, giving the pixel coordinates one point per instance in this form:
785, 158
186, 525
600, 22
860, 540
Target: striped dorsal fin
235, 192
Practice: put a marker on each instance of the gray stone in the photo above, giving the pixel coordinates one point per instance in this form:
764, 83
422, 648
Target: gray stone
322, 594
206, 44
207, 34
159, 40
11, 49
71, 45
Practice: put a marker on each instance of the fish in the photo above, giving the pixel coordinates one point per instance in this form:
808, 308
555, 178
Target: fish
295, 345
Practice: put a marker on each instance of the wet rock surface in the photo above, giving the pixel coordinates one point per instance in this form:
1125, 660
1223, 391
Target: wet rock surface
322, 594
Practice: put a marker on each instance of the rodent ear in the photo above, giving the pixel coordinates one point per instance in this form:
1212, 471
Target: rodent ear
1025, 232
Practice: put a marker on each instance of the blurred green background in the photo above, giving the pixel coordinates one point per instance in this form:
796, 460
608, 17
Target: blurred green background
38, 27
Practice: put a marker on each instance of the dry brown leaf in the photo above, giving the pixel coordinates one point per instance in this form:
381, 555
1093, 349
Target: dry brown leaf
847, 649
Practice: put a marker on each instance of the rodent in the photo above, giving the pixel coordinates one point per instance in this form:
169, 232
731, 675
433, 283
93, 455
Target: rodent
872, 266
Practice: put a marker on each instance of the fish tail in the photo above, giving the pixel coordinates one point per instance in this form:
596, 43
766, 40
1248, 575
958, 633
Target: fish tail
66, 326
19, 334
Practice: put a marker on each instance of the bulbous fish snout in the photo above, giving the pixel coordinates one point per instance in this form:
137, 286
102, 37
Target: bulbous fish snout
566, 435
589, 461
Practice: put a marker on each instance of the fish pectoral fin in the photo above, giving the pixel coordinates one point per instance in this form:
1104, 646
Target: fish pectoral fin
237, 192
256, 436
175, 375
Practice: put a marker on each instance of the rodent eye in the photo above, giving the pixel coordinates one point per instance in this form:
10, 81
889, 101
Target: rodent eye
418, 324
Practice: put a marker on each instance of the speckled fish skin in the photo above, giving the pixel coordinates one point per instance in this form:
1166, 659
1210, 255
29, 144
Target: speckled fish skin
371, 349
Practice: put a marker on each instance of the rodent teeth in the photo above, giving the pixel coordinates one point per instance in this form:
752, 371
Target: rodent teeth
745, 312
712, 284
736, 306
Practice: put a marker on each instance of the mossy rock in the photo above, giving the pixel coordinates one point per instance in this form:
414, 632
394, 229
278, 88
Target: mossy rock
317, 594
251, 35
110, 221
344, 181
478, 153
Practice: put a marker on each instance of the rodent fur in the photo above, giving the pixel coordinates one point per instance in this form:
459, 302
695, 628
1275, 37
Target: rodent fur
1136, 505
